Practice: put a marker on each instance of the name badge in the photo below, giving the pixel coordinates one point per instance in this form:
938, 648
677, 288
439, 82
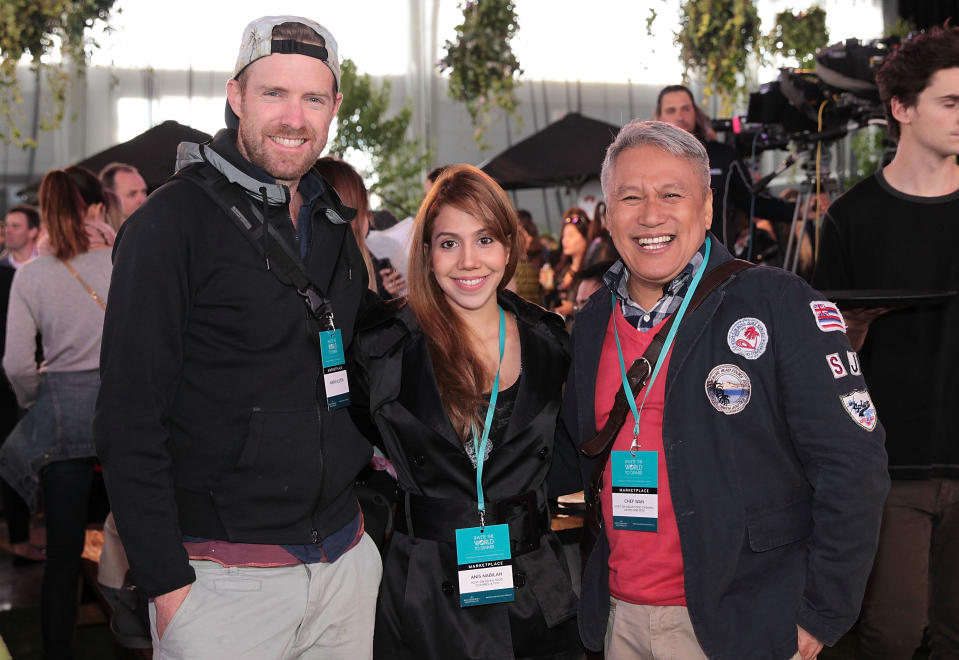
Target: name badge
635, 490
334, 369
485, 565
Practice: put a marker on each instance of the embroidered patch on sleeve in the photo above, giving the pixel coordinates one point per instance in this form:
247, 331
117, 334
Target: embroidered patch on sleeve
859, 406
836, 367
728, 388
827, 316
854, 367
748, 337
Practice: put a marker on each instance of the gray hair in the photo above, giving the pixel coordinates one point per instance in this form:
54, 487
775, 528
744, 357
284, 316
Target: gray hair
659, 134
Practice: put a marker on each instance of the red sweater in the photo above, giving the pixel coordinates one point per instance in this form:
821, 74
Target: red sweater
645, 568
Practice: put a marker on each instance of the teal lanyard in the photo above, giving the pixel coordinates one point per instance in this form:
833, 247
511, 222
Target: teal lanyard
480, 450
662, 354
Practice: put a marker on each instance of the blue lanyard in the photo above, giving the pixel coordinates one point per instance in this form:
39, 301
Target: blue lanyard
480, 450
662, 354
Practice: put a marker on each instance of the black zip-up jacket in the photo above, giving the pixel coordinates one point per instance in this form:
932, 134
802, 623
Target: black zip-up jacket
212, 419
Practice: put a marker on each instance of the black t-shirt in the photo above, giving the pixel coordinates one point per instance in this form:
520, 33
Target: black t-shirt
875, 237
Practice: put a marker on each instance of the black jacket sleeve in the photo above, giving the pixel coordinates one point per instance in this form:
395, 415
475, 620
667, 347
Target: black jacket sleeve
141, 353
844, 462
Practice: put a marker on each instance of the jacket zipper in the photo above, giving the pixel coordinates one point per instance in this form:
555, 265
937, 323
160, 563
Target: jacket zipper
318, 383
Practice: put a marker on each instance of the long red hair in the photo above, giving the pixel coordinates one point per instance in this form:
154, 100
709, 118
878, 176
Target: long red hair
459, 371
65, 196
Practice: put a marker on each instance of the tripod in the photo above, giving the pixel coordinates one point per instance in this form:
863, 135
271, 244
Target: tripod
806, 215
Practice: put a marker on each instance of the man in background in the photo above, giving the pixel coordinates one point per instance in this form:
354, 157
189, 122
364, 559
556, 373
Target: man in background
22, 230
731, 195
127, 184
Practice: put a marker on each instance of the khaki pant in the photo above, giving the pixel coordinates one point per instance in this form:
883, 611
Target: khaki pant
651, 632
309, 611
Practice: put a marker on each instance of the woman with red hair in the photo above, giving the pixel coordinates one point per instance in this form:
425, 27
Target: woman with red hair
463, 385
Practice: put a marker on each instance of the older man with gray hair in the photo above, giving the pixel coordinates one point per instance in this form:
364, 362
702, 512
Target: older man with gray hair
736, 491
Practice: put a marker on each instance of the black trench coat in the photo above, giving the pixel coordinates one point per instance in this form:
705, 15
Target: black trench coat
418, 613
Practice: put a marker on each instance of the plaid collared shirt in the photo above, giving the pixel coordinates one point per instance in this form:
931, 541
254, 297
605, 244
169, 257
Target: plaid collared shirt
617, 277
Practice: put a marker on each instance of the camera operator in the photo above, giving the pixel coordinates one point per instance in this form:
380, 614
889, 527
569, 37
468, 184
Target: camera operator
898, 230
675, 105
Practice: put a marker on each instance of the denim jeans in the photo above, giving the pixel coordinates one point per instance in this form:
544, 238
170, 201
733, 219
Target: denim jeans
66, 491
59, 426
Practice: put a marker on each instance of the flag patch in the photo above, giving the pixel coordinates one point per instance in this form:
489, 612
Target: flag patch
827, 316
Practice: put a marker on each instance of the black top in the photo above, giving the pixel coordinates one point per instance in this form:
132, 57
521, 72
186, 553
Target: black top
505, 403
875, 237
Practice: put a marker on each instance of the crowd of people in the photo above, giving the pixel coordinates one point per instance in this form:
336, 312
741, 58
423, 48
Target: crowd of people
326, 433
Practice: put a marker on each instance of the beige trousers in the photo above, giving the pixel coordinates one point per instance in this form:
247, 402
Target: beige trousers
309, 612
651, 632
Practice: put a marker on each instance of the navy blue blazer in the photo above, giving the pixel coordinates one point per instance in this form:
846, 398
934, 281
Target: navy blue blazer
778, 495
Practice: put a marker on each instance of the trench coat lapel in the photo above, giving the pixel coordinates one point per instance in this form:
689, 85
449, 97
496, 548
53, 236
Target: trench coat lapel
420, 395
532, 395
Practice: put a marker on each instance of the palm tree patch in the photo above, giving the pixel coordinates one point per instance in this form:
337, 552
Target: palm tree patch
748, 337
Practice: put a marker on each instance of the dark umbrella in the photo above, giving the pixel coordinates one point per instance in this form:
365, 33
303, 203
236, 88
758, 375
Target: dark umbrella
153, 152
568, 152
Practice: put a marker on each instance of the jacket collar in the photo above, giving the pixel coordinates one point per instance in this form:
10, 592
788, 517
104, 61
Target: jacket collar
221, 152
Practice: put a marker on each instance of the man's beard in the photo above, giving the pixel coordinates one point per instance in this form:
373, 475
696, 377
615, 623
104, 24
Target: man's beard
260, 150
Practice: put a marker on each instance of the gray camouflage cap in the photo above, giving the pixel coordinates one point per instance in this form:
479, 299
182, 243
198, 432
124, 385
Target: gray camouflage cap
258, 42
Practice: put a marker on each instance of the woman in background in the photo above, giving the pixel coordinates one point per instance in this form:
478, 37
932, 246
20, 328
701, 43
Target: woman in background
601, 246
574, 241
348, 184
61, 295
463, 384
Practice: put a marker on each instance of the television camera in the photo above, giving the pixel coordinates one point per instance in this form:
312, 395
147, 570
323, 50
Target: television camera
803, 111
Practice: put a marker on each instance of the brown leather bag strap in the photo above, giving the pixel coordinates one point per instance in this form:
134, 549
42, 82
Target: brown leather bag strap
637, 375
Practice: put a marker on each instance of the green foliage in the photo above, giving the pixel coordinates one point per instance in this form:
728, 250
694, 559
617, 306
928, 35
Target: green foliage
799, 35
38, 28
716, 39
483, 68
397, 164
650, 19
902, 28
867, 147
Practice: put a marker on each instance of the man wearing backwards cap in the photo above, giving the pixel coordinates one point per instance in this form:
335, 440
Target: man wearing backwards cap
229, 465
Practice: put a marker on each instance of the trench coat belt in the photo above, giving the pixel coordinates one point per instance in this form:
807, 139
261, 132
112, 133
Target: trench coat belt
437, 519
